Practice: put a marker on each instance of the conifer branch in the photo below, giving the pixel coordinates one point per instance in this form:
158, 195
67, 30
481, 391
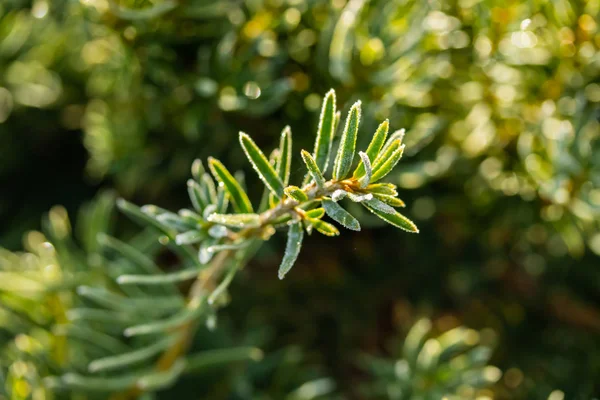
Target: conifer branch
215, 239
296, 207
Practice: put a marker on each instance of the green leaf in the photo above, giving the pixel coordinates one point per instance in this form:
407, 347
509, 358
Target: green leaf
204, 255
374, 147
316, 213
338, 214
268, 199
98, 384
131, 357
199, 202
390, 200
153, 210
396, 219
261, 165
481, 377
153, 304
215, 248
341, 44
282, 221
320, 388
313, 169
222, 200
189, 237
97, 315
208, 186
159, 279
102, 297
236, 220
284, 160
415, 339
386, 165
129, 253
345, 155
197, 170
325, 132
239, 198
397, 135
210, 359
190, 218
208, 211
456, 342
92, 336
364, 180
175, 221
162, 379
292, 249
95, 219
335, 125
175, 321
310, 204
382, 188
224, 284
218, 231
386, 153
380, 206
428, 359
323, 227
476, 357
296, 193
136, 214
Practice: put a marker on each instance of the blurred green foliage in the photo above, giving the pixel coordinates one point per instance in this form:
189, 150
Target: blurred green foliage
452, 365
501, 102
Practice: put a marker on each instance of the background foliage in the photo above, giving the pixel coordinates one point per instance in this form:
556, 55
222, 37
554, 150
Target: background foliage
500, 100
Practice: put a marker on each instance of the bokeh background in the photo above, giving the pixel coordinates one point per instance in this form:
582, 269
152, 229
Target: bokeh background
501, 103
